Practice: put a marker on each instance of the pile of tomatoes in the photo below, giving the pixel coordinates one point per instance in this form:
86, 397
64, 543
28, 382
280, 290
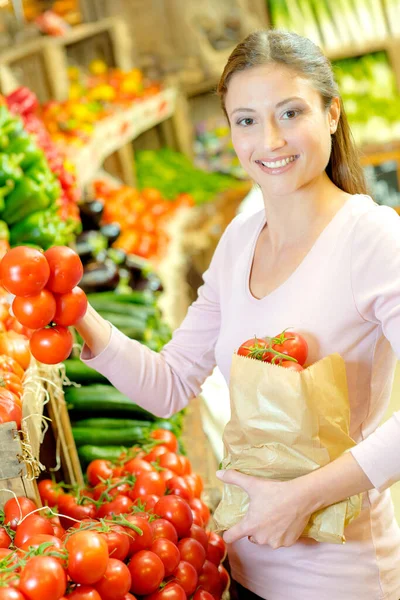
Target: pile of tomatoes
288, 349
47, 299
11, 390
137, 530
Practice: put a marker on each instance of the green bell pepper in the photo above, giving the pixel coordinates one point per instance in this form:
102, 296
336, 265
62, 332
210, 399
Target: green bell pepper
25, 146
43, 228
10, 127
27, 197
9, 168
43, 176
5, 191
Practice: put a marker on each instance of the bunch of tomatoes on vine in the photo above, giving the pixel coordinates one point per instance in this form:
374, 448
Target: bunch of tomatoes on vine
288, 349
137, 530
47, 297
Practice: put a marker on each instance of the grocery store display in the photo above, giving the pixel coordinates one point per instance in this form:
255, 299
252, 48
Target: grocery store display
137, 527
214, 150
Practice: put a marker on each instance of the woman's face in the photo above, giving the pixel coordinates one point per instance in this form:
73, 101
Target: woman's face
280, 130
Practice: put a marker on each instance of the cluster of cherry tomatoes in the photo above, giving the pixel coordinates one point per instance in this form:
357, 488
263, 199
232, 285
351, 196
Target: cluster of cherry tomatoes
289, 349
137, 530
47, 299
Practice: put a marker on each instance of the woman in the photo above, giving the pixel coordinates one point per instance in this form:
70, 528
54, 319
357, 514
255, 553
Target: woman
321, 257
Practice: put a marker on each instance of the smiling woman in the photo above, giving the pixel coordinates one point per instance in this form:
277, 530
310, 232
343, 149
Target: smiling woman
323, 257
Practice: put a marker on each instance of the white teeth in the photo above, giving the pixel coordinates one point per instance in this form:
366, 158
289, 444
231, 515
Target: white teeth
278, 163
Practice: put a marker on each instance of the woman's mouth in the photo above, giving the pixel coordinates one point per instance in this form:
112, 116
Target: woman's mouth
276, 167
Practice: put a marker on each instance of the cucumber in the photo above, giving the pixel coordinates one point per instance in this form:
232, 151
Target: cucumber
109, 423
128, 436
88, 453
103, 400
139, 311
77, 371
146, 297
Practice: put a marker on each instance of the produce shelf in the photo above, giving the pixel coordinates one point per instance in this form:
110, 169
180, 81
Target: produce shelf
114, 132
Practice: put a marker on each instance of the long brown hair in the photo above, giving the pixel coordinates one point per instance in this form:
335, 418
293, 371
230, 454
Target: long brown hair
303, 56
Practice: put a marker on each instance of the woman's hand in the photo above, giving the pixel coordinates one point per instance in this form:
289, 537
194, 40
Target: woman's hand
277, 513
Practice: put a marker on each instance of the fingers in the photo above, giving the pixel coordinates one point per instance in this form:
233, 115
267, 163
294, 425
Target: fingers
235, 478
237, 532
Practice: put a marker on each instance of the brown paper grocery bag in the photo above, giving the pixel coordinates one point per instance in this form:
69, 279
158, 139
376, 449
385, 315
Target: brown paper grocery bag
284, 424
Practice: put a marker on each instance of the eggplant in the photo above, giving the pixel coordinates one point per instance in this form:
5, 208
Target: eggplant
96, 240
111, 231
91, 213
100, 277
117, 255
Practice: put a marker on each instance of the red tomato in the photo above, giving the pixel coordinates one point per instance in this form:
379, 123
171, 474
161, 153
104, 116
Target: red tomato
11, 382
10, 593
5, 539
253, 348
30, 526
99, 469
201, 508
149, 482
161, 528
42, 538
210, 580
154, 454
24, 271
51, 345
291, 344
186, 575
170, 460
168, 552
202, 594
147, 502
43, 577
147, 571
129, 596
9, 364
138, 541
66, 269
118, 542
172, 591
192, 552
186, 465
10, 409
49, 491
35, 311
70, 307
198, 533
137, 465
197, 520
166, 474
69, 506
177, 511
195, 483
289, 364
216, 550
224, 577
167, 437
16, 345
119, 505
15, 509
88, 557
116, 581
84, 592
178, 486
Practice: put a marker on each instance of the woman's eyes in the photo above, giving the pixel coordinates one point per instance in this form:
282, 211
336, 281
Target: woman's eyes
288, 115
291, 113
245, 122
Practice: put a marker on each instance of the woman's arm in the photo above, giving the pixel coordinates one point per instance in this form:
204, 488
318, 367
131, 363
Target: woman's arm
279, 510
94, 330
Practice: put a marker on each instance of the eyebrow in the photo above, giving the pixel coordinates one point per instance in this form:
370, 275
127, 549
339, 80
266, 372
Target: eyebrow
281, 103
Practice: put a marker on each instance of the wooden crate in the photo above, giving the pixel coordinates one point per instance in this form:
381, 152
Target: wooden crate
16, 472
58, 451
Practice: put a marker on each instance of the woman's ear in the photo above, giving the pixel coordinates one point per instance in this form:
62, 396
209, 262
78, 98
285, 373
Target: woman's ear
334, 114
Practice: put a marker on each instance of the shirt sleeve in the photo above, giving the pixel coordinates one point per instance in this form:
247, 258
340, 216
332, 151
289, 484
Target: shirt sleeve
163, 383
376, 288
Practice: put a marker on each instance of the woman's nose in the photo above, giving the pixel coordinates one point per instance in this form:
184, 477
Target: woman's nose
273, 138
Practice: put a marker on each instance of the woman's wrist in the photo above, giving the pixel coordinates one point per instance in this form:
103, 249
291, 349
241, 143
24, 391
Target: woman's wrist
332, 483
95, 331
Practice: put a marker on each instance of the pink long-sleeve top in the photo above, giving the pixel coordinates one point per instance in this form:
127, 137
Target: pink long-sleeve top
344, 297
